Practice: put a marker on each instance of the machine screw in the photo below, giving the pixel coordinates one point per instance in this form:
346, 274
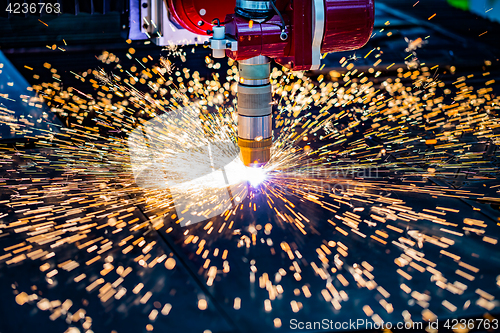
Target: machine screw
200, 23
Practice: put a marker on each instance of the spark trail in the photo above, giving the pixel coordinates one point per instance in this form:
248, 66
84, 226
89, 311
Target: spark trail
369, 191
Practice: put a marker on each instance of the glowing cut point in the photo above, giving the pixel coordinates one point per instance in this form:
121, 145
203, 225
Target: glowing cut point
255, 175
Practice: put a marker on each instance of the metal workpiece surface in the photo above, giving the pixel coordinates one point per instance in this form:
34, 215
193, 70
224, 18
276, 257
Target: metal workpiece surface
162, 270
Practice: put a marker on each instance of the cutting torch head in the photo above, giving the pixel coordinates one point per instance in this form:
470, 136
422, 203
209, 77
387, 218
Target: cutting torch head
296, 34
254, 111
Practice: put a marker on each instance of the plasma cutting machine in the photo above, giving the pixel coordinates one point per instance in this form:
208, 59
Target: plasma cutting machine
295, 33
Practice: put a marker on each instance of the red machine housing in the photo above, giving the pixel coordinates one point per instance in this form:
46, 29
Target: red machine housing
348, 25
197, 15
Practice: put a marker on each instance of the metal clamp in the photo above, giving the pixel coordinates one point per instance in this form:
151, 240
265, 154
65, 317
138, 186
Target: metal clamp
220, 42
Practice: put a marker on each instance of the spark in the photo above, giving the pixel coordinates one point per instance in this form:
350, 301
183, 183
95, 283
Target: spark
153, 151
255, 175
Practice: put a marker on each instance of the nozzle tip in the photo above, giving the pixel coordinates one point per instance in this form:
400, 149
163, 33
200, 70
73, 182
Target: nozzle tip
255, 153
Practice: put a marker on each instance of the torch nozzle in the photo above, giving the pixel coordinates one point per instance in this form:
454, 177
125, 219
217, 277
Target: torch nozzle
255, 153
254, 111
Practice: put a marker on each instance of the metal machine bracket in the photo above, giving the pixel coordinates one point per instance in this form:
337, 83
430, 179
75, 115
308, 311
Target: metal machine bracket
157, 24
220, 42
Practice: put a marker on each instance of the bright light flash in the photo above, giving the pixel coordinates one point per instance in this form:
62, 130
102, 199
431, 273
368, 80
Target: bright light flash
255, 175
